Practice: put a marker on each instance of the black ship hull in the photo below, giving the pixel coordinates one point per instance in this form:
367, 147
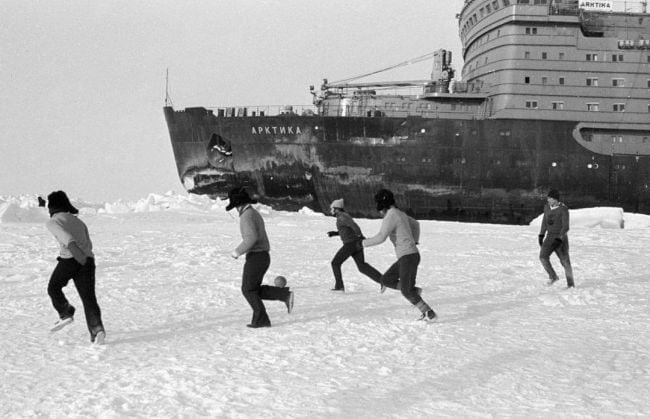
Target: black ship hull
489, 170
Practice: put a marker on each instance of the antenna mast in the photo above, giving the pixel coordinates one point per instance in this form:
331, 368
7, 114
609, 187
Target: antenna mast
168, 100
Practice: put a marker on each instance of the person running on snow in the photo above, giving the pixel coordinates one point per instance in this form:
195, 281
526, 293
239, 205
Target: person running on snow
76, 261
351, 237
255, 245
404, 233
553, 238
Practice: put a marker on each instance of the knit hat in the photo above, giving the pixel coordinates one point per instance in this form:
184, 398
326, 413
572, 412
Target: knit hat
554, 193
237, 197
384, 199
338, 203
58, 202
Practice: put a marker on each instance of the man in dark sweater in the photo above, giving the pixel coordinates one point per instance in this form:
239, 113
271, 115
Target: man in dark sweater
351, 237
553, 238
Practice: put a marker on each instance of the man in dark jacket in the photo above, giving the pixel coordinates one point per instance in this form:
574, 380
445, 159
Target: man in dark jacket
351, 237
553, 238
255, 244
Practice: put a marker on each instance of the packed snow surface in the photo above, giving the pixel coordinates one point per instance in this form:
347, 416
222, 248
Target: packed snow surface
177, 346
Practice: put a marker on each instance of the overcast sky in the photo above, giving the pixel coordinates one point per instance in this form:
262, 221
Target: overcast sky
83, 82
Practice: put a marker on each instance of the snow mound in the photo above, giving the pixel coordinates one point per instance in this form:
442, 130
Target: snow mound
155, 203
604, 217
12, 212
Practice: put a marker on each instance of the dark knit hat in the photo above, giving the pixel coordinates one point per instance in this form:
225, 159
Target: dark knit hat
58, 202
237, 197
554, 193
384, 199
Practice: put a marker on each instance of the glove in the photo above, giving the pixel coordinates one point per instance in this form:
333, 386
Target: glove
234, 254
332, 233
557, 243
540, 239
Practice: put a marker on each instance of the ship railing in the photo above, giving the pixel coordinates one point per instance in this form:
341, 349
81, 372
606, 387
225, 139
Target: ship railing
264, 110
401, 110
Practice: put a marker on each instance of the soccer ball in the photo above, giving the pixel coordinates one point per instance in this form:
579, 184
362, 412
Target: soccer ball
280, 281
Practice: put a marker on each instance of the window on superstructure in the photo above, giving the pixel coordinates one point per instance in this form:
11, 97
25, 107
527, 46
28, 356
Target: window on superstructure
617, 57
506, 3
560, 80
488, 9
526, 54
527, 80
618, 107
618, 82
558, 105
481, 12
648, 108
592, 81
531, 104
592, 57
648, 84
495, 5
544, 55
561, 56
592, 107
544, 80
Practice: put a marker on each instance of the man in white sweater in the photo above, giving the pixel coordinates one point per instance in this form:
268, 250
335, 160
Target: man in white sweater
404, 233
255, 245
76, 261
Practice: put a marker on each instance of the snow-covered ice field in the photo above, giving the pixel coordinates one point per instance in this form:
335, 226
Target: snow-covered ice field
506, 345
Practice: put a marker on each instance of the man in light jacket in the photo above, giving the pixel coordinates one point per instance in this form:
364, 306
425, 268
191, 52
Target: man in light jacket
76, 261
255, 245
404, 233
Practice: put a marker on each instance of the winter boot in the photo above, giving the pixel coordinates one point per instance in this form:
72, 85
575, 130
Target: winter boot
289, 302
429, 316
99, 338
61, 323
65, 320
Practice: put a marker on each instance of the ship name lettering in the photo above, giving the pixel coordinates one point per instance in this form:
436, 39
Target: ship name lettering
276, 130
596, 5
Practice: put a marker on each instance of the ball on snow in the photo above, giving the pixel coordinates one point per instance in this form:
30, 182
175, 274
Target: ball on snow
280, 281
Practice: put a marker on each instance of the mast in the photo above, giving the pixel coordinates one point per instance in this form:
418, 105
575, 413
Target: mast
168, 101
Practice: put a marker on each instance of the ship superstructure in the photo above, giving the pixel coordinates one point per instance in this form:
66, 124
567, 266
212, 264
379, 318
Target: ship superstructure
553, 94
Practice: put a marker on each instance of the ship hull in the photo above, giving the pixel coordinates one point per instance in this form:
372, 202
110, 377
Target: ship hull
488, 170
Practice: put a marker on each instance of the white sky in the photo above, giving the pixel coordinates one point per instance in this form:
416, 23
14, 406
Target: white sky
83, 83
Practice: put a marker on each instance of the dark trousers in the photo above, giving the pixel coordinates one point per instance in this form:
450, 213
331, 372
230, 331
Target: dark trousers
256, 265
355, 250
84, 281
562, 252
401, 276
